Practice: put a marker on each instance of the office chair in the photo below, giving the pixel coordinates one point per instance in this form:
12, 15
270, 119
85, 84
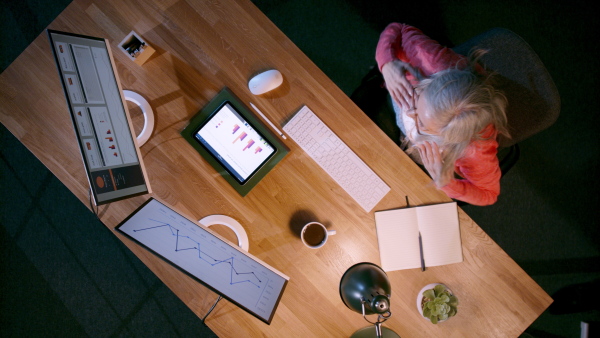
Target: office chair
533, 100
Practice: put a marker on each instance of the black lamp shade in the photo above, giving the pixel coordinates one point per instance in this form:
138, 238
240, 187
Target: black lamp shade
369, 282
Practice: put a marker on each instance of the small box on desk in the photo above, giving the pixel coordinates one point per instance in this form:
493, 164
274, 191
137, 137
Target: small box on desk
136, 48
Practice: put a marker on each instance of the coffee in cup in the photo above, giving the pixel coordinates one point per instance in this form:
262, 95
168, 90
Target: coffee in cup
314, 235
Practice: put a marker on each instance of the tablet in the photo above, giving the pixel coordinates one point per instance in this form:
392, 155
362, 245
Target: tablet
234, 141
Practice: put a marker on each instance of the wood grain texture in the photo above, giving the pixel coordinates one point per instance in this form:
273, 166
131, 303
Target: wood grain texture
201, 47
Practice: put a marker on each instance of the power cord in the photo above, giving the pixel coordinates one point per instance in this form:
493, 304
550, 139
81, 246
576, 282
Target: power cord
211, 309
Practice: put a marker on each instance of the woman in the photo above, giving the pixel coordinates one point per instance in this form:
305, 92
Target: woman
447, 110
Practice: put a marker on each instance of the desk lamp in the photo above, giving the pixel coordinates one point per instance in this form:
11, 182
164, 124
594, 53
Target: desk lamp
366, 289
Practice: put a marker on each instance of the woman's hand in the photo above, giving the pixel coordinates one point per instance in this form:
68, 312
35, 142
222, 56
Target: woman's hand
432, 160
401, 90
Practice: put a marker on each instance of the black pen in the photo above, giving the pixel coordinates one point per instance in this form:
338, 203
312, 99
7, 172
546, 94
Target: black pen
421, 251
420, 243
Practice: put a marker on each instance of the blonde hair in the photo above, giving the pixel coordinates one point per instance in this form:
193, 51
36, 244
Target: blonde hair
463, 102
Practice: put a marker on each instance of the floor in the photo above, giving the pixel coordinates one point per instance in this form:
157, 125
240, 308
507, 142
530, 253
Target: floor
64, 274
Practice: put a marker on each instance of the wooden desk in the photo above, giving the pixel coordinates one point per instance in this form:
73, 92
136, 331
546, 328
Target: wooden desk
203, 46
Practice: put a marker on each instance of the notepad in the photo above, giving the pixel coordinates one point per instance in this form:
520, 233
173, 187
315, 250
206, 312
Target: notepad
398, 236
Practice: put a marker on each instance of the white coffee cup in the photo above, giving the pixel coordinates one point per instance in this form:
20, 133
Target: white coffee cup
314, 235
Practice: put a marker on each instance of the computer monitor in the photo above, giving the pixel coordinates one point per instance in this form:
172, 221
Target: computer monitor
100, 118
238, 276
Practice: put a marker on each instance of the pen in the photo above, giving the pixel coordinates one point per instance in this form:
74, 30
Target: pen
268, 121
420, 243
421, 251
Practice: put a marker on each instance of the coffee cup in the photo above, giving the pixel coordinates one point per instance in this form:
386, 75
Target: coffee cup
314, 235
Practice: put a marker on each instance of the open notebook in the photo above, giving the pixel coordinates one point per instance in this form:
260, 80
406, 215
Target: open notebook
398, 236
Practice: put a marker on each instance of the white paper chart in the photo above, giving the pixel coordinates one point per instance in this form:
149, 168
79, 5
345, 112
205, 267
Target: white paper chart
227, 269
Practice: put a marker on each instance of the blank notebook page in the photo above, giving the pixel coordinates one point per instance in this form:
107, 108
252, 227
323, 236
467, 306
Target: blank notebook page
398, 239
441, 234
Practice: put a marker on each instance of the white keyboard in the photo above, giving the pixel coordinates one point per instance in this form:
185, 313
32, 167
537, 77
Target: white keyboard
336, 158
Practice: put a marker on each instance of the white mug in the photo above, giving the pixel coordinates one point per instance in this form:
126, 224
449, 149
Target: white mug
314, 235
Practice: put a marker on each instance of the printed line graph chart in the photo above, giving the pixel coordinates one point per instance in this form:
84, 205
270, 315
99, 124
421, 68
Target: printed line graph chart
238, 276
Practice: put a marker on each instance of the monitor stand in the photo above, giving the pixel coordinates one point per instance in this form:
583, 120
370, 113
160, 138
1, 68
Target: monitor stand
232, 224
148, 115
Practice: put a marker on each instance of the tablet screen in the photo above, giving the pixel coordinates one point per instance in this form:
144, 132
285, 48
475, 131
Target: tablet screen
234, 142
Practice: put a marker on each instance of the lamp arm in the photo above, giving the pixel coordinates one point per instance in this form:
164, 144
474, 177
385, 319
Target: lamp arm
378, 332
380, 318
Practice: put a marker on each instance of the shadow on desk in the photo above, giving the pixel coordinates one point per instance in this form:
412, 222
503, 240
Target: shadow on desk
300, 218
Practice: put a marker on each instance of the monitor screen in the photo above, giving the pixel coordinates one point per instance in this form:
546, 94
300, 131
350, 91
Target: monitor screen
102, 126
234, 142
238, 276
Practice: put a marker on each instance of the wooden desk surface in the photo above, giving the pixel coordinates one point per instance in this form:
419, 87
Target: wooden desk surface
203, 46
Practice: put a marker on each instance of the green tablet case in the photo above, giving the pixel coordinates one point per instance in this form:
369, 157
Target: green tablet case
206, 112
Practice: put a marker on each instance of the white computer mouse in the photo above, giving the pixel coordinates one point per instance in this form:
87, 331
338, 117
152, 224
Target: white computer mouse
265, 81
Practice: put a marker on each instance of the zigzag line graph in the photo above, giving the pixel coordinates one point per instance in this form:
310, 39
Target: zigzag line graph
235, 274
185, 243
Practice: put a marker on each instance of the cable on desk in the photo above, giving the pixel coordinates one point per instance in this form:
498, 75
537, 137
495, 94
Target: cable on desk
211, 309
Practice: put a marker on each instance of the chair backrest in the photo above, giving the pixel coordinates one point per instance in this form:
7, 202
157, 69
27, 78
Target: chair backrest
533, 100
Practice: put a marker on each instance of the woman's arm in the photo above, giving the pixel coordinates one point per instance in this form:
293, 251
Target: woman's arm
389, 47
481, 174
406, 43
403, 53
